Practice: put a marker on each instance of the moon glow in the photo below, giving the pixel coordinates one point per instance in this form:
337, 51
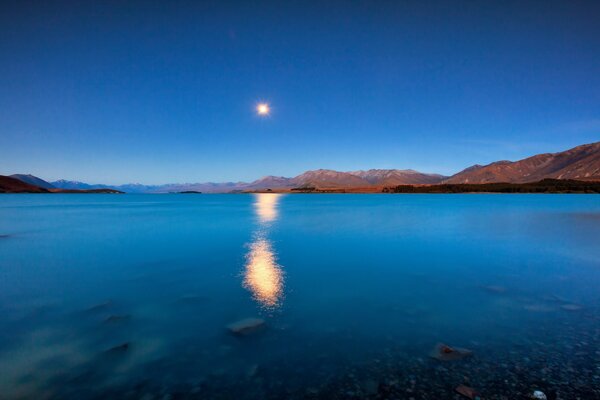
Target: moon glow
263, 109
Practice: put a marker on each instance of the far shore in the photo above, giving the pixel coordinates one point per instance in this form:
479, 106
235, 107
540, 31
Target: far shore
544, 186
548, 186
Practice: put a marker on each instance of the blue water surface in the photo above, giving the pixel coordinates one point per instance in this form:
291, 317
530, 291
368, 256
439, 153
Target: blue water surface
126, 296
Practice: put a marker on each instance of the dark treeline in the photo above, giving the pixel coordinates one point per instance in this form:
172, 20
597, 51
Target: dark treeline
543, 186
311, 189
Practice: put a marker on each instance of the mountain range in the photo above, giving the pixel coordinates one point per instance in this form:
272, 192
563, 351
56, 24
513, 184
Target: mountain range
579, 163
321, 178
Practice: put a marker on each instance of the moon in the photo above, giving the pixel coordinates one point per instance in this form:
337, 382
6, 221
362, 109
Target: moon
263, 109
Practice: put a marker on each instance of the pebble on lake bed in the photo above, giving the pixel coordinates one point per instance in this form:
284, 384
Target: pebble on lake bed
444, 352
538, 395
468, 392
246, 326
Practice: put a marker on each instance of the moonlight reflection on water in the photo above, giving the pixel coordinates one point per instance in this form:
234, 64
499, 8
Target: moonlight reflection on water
265, 207
263, 276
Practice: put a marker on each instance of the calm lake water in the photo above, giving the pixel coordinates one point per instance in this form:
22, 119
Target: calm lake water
130, 296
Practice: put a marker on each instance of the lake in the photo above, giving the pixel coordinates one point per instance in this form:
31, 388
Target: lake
133, 296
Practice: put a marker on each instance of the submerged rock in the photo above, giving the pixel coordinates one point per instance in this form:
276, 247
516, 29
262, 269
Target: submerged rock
246, 326
443, 352
468, 392
539, 395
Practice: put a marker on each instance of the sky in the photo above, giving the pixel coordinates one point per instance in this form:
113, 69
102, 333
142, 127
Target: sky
166, 91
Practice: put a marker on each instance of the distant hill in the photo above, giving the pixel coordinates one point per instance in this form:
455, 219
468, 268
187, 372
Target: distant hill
129, 188
9, 184
326, 178
579, 163
272, 182
208, 187
75, 185
13, 185
33, 180
388, 177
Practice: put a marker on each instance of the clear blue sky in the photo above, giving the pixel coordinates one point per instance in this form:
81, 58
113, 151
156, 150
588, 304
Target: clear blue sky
157, 92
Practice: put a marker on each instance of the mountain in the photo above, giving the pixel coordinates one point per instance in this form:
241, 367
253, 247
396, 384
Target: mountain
13, 185
63, 184
327, 178
207, 187
390, 177
579, 163
33, 180
271, 182
128, 188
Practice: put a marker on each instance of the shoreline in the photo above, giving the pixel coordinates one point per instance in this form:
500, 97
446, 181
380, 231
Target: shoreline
544, 186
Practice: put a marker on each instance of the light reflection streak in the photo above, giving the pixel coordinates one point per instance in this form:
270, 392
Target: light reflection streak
262, 275
265, 207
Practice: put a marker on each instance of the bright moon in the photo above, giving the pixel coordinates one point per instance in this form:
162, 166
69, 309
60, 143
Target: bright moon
263, 109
